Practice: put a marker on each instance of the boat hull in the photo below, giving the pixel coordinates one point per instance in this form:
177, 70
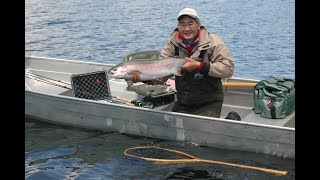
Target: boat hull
57, 105
217, 133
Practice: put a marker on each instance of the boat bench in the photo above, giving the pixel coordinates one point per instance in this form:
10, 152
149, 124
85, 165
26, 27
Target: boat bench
248, 115
289, 121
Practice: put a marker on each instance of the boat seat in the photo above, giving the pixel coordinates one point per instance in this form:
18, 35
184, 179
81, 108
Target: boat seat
289, 121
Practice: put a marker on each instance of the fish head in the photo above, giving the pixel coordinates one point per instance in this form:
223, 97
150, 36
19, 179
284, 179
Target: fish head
118, 72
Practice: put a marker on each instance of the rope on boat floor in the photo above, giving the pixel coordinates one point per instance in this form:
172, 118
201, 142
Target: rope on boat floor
195, 159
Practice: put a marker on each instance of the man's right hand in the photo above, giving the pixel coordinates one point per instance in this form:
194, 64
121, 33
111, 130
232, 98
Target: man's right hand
191, 64
134, 77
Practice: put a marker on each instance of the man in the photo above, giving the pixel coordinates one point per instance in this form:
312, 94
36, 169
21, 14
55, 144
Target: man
198, 84
199, 88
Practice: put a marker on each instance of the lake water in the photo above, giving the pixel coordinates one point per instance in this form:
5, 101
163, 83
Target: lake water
260, 35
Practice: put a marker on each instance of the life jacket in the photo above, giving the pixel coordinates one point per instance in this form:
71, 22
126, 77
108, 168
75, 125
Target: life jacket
196, 88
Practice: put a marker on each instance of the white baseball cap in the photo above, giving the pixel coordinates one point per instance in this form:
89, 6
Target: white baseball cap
188, 12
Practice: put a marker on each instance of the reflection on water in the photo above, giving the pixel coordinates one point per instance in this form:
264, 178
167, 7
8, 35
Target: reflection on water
184, 173
60, 152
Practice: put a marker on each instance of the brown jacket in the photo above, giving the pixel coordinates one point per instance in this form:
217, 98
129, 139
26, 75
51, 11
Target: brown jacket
217, 53
199, 87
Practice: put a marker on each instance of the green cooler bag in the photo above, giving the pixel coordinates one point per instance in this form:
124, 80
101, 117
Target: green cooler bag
275, 97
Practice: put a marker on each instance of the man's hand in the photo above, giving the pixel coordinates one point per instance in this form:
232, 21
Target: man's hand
158, 81
191, 64
134, 76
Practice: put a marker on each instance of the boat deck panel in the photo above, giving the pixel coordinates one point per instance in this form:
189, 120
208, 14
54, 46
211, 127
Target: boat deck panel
255, 118
67, 93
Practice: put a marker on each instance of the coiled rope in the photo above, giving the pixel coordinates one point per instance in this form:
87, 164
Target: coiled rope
195, 159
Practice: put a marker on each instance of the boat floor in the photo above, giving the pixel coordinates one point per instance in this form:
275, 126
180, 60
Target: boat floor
246, 113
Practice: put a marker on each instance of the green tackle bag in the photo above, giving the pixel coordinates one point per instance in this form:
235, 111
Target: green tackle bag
150, 90
275, 97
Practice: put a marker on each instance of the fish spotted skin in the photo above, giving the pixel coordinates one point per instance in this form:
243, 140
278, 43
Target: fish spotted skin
148, 69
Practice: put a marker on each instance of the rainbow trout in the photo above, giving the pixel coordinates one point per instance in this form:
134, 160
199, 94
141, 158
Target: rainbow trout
148, 69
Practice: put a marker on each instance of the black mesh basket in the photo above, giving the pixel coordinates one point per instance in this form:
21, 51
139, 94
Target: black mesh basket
92, 85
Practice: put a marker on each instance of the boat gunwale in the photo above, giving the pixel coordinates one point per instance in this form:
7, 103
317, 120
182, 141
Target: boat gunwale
68, 60
111, 65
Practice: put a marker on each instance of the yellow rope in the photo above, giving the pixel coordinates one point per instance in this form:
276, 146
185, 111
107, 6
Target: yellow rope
195, 159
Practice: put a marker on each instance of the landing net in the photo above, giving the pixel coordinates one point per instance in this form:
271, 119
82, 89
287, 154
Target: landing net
149, 152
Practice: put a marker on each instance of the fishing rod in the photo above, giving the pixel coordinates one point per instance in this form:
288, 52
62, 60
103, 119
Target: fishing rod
34, 77
46, 80
53, 82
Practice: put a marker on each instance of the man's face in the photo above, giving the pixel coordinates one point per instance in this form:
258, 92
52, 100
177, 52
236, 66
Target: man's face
188, 28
